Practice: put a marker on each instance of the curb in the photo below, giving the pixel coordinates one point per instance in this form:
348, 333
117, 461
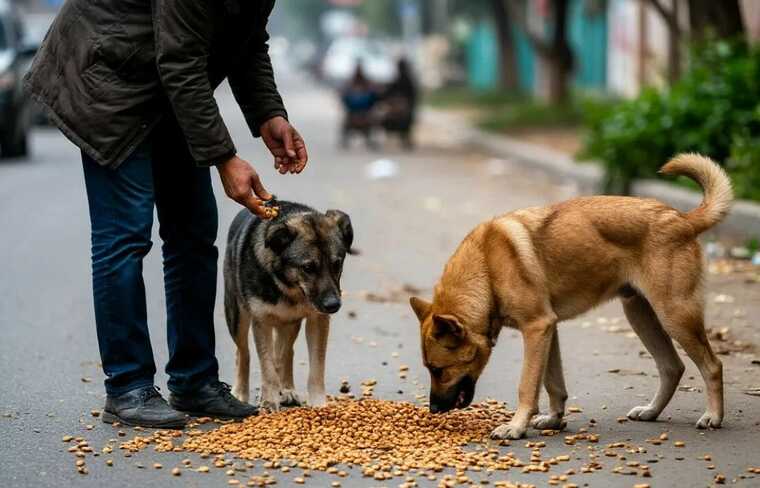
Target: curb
586, 176
743, 220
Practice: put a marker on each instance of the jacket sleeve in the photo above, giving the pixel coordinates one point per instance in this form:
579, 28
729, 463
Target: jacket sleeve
182, 37
252, 79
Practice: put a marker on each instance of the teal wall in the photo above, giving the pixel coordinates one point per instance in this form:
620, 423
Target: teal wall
525, 61
483, 57
587, 35
588, 39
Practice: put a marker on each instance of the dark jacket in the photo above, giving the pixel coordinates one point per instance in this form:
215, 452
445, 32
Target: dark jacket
108, 70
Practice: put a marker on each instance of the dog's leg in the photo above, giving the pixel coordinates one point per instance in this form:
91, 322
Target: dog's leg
317, 329
537, 340
284, 337
683, 320
644, 322
241, 389
554, 382
270, 381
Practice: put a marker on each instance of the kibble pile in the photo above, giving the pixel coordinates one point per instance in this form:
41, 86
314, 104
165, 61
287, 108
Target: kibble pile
361, 433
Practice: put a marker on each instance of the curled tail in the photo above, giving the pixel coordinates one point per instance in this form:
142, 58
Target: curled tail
714, 183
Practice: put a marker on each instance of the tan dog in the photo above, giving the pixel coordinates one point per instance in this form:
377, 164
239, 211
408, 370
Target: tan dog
533, 268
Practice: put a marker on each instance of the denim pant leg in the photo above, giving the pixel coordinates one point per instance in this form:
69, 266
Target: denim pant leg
188, 219
121, 216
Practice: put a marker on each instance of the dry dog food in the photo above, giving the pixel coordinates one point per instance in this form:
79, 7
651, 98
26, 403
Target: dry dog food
365, 433
378, 436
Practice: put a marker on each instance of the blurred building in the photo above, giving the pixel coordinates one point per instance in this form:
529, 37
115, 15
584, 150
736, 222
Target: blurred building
619, 46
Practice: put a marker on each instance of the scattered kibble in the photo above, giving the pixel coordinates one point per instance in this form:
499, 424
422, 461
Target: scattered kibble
362, 433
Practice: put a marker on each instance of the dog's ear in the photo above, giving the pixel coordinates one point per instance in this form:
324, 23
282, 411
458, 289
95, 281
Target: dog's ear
421, 307
278, 237
343, 223
447, 327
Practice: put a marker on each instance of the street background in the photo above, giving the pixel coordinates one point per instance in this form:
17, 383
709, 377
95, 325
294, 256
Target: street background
410, 209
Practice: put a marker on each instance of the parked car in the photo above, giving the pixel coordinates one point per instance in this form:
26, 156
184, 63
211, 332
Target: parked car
36, 26
15, 107
341, 58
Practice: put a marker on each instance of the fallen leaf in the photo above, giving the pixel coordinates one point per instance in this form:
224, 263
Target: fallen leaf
626, 372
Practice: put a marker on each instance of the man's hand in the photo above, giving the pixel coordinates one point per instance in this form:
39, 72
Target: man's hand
242, 184
285, 144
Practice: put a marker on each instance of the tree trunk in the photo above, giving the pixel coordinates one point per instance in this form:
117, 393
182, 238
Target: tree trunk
507, 63
559, 57
722, 18
674, 46
555, 54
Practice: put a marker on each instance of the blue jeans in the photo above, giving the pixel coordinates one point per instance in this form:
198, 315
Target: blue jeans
158, 173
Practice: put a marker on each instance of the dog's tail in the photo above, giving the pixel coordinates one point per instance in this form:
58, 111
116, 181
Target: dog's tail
714, 182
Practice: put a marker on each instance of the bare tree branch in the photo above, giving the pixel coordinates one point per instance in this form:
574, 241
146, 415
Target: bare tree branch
517, 13
668, 16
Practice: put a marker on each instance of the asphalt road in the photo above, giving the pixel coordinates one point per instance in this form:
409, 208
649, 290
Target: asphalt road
406, 226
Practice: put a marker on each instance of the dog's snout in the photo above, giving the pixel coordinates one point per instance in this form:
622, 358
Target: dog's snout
439, 404
331, 303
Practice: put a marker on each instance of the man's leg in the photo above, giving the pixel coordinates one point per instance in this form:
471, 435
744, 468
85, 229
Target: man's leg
188, 226
121, 214
188, 220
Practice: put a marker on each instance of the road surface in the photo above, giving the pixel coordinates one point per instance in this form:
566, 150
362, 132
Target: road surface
406, 225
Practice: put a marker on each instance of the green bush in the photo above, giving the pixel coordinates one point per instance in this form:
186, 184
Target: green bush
714, 110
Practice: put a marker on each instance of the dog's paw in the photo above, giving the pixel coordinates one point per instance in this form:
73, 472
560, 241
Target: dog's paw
269, 405
508, 431
289, 398
645, 413
241, 394
709, 420
269, 400
543, 422
317, 400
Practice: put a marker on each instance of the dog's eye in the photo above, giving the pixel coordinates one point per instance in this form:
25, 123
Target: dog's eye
436, 372
310, 267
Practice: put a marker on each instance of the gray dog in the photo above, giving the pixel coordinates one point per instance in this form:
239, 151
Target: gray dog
277, 273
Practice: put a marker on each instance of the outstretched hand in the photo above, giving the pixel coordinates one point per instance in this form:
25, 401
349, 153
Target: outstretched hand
285, 144
242, 183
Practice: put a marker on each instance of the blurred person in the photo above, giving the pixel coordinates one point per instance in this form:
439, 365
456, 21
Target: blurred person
131, 84
400, 104
359, 97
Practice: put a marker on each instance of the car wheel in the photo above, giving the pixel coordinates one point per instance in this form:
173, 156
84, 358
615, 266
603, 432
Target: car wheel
14, 147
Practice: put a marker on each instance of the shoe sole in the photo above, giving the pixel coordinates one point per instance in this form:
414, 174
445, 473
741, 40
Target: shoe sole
220, 417
110, 418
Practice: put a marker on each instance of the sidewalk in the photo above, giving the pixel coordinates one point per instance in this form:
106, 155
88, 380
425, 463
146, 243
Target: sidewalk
585, 176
